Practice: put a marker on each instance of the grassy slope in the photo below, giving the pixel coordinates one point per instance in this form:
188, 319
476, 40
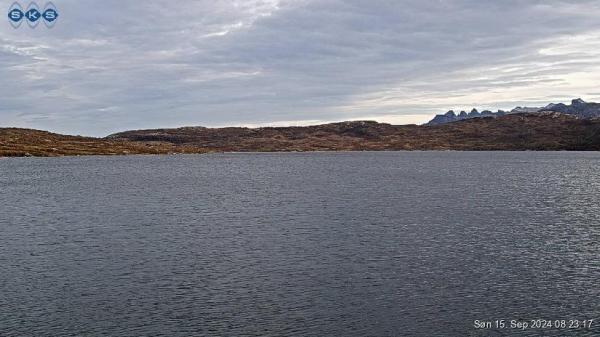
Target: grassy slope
546, 131
25, 142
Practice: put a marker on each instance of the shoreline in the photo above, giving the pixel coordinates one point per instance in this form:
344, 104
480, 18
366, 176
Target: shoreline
515, 132
291, 153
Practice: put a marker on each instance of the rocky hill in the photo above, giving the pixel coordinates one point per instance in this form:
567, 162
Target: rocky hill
451, 116
578, 108
518, 131
525, 131
27, 143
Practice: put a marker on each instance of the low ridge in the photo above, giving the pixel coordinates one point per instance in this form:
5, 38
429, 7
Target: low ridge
546, 130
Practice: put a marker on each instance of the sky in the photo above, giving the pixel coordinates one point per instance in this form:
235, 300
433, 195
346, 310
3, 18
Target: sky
115, 65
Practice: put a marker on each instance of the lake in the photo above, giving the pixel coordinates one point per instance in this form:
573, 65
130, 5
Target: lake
300, 244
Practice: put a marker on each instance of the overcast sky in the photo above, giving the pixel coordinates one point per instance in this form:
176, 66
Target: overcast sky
114, 65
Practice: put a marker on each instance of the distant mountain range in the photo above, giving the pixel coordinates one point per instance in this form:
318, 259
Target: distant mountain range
578, 108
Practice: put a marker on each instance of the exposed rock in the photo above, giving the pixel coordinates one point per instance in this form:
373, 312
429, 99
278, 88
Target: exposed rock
554, 127
536, 131
578, 107
449, 116
547, 130
524, 110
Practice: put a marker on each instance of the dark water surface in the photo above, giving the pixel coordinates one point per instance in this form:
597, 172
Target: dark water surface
322, 244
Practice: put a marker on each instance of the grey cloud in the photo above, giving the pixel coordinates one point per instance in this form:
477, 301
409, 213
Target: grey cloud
114, 65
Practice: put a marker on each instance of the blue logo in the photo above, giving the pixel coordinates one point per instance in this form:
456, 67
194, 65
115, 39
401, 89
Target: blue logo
33, 15
50, 15
15, 15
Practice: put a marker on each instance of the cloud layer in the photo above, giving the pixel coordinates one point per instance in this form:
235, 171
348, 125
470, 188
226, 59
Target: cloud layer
115, 65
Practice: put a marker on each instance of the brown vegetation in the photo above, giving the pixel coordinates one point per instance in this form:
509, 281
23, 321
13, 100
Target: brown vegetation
534, 131
25, 142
